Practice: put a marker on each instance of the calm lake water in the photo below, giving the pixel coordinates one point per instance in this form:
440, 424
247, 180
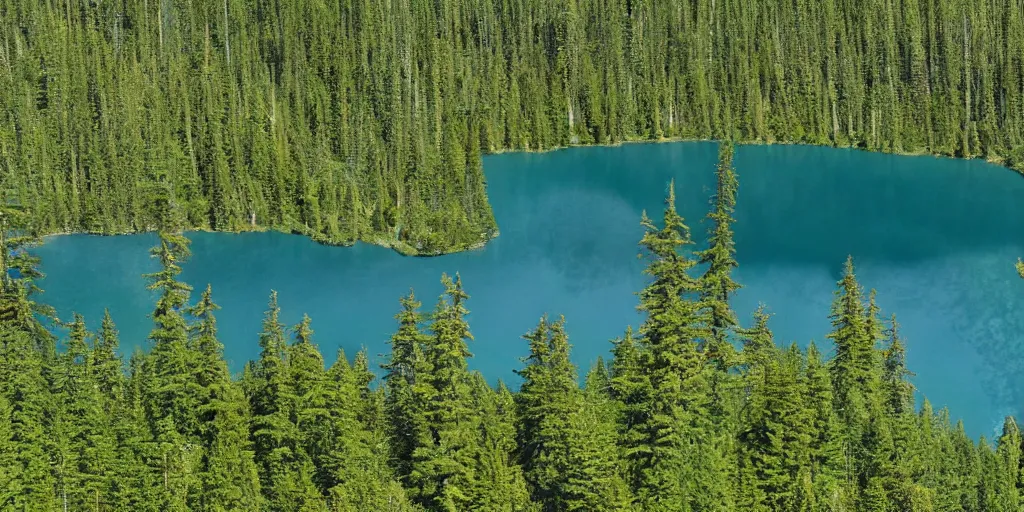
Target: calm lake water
936, 237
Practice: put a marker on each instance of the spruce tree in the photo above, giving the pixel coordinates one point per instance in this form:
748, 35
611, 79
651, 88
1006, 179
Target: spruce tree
402, 372
678, 409
355, 458
227, 471
716, 284
286, 471
442, 469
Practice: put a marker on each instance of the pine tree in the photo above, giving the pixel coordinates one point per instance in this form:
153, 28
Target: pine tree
679, 400
716, 284
631, 390
227, 471
401, 373
442, 469
285, 470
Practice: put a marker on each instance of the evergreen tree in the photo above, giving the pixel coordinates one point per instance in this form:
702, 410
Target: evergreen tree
631, 390
855, 372
28, 401
679, 399
500, 482
1006, 476
171, 396
285, 470
406, 420
106, 362
227, 470
775, 439
83, 446
442, 469
355, 458
827, 458
716, 284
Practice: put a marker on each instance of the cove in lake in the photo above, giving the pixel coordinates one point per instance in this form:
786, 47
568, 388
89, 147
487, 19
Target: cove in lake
936, 237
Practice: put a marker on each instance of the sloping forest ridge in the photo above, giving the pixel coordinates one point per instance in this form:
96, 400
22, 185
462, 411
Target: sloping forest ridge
677, 420
365, 120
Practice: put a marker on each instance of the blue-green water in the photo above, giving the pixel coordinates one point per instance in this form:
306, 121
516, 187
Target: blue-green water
936, 237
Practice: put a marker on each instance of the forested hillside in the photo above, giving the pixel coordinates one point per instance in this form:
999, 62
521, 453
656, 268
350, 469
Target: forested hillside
366, 120
678, 419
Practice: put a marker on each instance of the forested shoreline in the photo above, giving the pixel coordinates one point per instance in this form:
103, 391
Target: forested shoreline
695, 410
359, 120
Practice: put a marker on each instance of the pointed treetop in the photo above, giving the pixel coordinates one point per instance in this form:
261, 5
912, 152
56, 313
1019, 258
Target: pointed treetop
303, 331
272, 340
108, 331
758, 341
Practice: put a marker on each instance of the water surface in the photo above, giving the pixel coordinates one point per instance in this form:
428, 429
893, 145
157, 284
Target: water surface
936, 237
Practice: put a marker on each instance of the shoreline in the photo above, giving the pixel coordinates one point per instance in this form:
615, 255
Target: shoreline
995, 160
405, 249
399, 246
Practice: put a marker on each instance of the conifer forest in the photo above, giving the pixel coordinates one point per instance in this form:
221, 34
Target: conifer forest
366, 120
696, 410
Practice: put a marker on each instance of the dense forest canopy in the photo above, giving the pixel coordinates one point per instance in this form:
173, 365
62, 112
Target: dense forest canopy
357, 119
695, 410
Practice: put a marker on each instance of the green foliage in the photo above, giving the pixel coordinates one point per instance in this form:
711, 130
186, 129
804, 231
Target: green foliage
664, 426
364, 120
567, 451
717, 285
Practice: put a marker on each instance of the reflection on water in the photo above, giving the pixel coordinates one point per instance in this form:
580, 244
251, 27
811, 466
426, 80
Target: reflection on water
936, 237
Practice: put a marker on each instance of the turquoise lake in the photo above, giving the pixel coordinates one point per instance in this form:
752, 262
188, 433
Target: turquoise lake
937, 238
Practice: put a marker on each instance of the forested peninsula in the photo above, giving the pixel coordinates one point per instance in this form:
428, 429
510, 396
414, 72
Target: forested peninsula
693, 411
366, 120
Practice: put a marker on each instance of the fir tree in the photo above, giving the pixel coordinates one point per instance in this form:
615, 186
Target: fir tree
356, 458
106, 362
401, 373
679, 399
631, 390
227, 471
716, 284
442, 470
285, 470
